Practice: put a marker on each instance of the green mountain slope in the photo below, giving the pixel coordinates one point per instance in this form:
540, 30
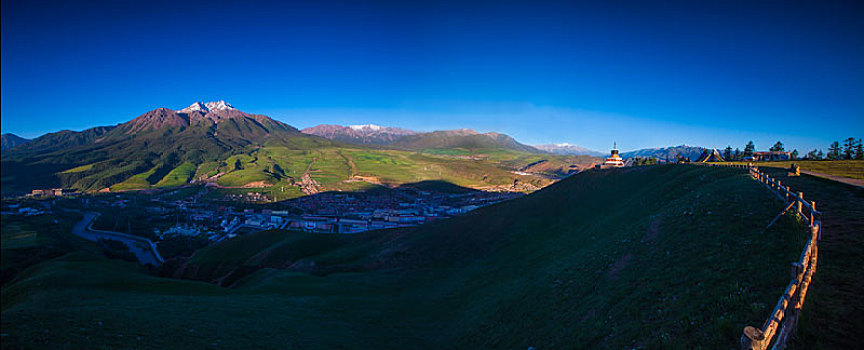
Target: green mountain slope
165, 148
163, 139
654, 257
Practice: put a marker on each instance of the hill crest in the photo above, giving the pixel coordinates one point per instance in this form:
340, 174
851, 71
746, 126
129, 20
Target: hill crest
11, 140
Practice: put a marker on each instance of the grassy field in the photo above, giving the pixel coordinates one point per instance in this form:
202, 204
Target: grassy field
672, 257
284, 164
847, 168
27, 241
178, 176
79, 169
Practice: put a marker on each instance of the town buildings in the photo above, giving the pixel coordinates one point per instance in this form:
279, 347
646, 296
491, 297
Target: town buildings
768, 156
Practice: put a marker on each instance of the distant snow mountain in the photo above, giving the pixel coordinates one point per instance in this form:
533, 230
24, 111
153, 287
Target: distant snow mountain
672, 152
461, 138
414, 140
569, 149
368, 128
11, 140
359, 134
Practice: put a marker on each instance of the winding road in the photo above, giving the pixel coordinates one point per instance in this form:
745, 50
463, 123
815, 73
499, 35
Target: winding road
144, 249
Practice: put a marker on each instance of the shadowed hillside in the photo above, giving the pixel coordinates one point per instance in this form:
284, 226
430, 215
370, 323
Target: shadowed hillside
663, 256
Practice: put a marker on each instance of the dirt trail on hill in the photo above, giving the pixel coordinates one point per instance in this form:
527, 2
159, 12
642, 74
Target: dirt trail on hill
307, 184
845, 180
831, 317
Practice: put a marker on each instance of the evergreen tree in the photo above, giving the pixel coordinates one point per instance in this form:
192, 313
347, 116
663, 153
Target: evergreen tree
794, 155
749, 149
848, 148
834, 151
727, 153
859, 152
737, 155
778, 147
820, 155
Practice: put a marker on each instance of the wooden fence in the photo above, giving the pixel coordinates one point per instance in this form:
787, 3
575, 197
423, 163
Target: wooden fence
784, 317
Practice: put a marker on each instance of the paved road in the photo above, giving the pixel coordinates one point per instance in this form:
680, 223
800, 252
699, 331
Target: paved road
845, 180
143, 248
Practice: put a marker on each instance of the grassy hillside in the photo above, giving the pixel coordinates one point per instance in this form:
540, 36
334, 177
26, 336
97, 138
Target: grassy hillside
346, 168
654, 257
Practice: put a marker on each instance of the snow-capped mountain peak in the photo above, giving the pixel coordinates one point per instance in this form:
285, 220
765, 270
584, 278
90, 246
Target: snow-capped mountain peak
220, 105
372, 127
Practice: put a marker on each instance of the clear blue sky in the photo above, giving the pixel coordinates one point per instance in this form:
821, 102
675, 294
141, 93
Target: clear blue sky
645, 74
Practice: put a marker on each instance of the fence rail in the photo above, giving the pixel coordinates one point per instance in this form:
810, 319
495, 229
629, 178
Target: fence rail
783, 319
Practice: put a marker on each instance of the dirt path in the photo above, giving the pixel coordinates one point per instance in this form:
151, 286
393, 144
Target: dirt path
307, 184
845, 180
352, 165
831, 317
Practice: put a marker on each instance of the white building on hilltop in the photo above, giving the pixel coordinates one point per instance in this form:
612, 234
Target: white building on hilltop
613, 161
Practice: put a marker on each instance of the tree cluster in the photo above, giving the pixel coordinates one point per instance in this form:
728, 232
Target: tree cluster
637, 161
848, 150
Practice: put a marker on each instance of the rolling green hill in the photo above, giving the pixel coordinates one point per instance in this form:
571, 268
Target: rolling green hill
649, 257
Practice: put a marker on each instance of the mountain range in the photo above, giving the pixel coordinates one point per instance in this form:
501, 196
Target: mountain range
216, 143
359, 134
566, 148
671, 153
415, 140
371, 134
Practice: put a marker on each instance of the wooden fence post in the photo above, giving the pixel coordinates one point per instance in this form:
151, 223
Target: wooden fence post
819, 232
797, 270
752, 338
812, 211
800, 205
